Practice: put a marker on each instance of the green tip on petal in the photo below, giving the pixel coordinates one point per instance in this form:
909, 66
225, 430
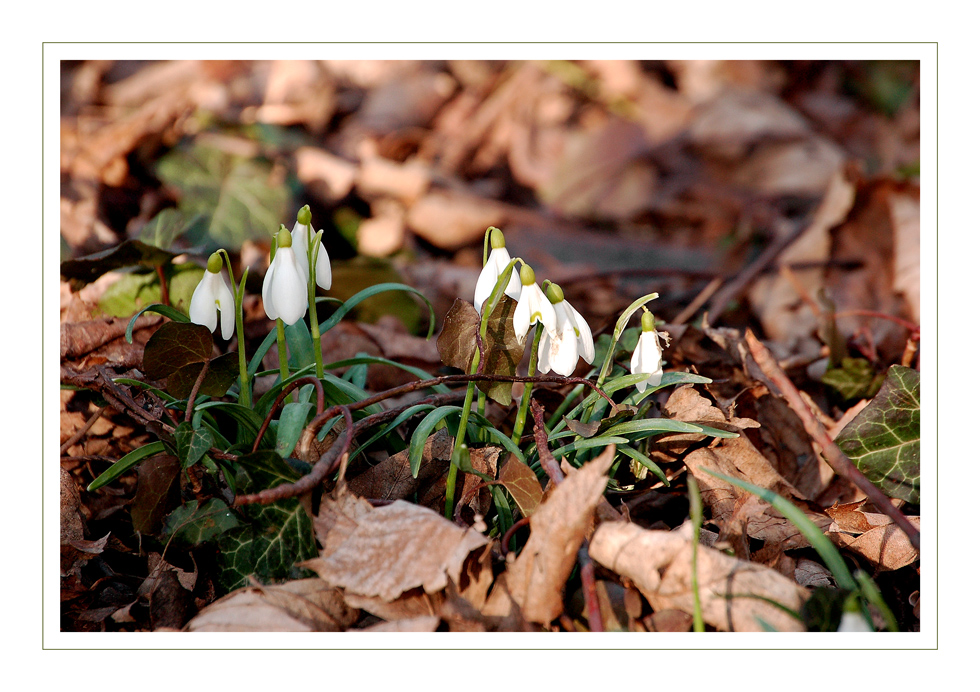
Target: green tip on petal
527, 275
647, 322
284, 238
555, 294
214, 263
496, 238
304, 216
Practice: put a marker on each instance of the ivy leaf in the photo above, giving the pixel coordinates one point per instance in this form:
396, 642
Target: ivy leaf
854, 379
274, 537
170, 224
239, 196
883, 439
191, 443
457, 344
195, 524
175, 345
222, 373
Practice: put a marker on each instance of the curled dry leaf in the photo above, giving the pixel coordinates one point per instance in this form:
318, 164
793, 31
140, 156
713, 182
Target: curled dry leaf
536, 579
397, 548
873, 536
731, 590
304, 605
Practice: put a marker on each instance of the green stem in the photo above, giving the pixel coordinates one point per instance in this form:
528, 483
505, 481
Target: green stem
617, 332
526, 397
460, 439
283, 357
696, 519
244, 383
312, 252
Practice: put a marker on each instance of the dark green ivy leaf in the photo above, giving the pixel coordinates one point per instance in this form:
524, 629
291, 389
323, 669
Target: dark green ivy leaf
854, 379
175, 345
195, 524
191, 443
222, 373
883, 439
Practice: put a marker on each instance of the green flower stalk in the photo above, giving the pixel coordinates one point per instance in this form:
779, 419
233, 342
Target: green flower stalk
315, 263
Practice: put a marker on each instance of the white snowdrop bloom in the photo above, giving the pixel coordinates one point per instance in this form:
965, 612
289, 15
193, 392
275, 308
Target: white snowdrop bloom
211, 296
853, 622
302, 235
284, 294
647, 358
533, 307
497, 262
560, 354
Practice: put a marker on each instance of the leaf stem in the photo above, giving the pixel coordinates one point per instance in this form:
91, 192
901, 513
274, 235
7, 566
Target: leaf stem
283, 356
526, 397
312, 252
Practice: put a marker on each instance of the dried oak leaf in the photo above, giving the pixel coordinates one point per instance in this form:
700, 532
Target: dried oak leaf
304, 605
536, 579
397, 548
731, 590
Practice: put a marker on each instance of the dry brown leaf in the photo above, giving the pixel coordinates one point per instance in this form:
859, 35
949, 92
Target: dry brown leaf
305, 605
339, 516
659, 564
904, 208
397, 548
873, 536
784, 313
536, 579
413, 604
330, 177
72, 525
450, 220
523, 485
423, 623
735, 509
392, 478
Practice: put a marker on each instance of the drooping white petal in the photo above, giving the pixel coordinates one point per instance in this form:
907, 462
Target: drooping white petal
270, 308
647, 359
564, 351
324, 275
226, 305
544, 354
853, 622
288, 291
522, 316
497, 262
586, 347
202, 309
301, 243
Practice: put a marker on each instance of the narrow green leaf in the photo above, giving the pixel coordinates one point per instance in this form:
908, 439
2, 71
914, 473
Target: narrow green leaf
645, 461
422, 432
126, 463
823, 545
292, 420
159, 308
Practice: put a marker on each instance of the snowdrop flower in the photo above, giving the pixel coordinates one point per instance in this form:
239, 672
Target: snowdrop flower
284, 290
497, 262
648, 353
211, 296
302, 231
853, 622
560, 353
533, 307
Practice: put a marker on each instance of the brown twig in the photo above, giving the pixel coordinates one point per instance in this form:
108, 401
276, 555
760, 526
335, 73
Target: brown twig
320, 470
309, 379
189, 413
838, 461
84, 429
505, 539
547, 459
